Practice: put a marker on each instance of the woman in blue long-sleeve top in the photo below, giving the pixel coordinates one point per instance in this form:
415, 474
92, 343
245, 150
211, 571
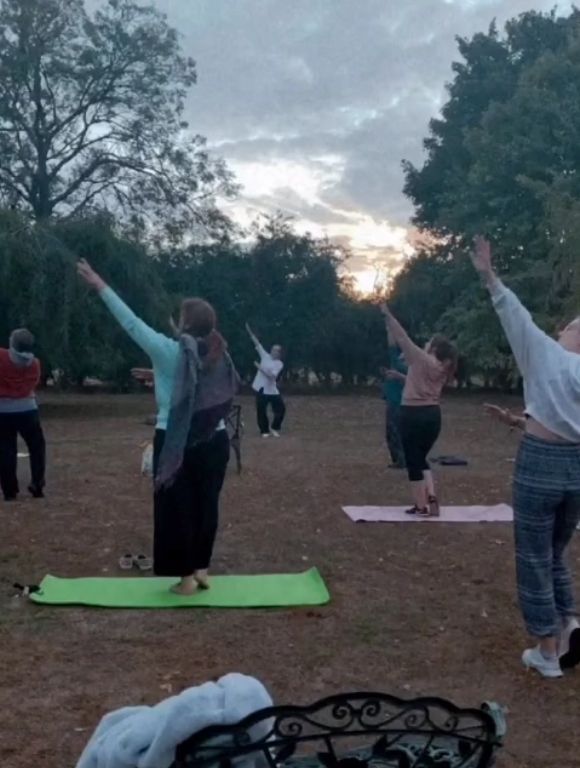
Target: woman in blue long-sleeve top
195, 383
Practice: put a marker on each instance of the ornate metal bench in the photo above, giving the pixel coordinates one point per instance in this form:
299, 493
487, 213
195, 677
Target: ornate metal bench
358, 730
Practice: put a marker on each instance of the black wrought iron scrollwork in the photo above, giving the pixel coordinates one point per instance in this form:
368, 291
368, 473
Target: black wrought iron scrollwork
357, 730
343, 712
418, 717
370, 711
286, 726
285, 753
242, 738
451, 723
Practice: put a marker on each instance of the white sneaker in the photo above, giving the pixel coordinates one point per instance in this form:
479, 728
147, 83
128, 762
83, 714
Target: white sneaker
533, 658
274, 433
265, 434
570, 645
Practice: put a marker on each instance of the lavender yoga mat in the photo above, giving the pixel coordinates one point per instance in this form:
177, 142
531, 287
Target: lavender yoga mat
500, 513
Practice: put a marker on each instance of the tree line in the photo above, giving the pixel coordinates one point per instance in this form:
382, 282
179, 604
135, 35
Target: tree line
287, 285
502, 159
98, 161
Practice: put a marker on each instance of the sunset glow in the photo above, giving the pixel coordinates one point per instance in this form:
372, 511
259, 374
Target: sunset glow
300, 190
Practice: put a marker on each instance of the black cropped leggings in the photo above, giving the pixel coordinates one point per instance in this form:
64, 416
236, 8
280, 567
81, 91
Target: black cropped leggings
420, 427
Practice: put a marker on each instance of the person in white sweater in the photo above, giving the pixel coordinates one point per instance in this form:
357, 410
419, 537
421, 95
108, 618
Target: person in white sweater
265, 386
546, 485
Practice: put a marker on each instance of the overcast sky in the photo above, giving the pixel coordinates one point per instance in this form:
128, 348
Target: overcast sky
314, 103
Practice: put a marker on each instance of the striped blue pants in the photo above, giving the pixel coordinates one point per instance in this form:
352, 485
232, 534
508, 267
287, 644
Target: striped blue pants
546, 511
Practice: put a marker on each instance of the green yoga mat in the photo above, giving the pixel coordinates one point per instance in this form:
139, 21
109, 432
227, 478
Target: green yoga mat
269, 591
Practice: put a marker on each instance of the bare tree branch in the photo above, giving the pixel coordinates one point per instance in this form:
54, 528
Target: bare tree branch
91, 114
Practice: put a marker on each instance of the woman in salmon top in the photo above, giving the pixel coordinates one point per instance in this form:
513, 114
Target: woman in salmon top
430, 369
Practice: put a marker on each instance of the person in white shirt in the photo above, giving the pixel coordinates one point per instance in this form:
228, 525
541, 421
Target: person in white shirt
546, 485
266, 388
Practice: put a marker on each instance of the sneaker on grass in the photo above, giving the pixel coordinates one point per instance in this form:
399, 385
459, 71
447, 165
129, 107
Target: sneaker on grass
533, 658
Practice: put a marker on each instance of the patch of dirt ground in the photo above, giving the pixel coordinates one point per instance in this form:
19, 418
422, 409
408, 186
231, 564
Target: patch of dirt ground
415, 609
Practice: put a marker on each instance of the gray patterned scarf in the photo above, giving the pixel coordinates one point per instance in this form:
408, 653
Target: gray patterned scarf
202, 396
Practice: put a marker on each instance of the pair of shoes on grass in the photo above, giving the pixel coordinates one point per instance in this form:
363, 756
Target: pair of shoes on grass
142, 562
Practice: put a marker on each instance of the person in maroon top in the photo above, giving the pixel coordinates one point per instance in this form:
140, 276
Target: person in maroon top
19, 378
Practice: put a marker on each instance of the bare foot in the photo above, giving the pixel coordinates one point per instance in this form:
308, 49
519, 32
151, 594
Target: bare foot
202, 579
186, 587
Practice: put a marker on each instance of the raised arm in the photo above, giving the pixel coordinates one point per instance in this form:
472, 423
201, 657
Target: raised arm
154, 344
252, 335
398, 336
255, 341
390, 340
524, 336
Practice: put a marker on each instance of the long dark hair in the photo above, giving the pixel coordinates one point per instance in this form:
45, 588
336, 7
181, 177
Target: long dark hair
446, 352
199, 319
